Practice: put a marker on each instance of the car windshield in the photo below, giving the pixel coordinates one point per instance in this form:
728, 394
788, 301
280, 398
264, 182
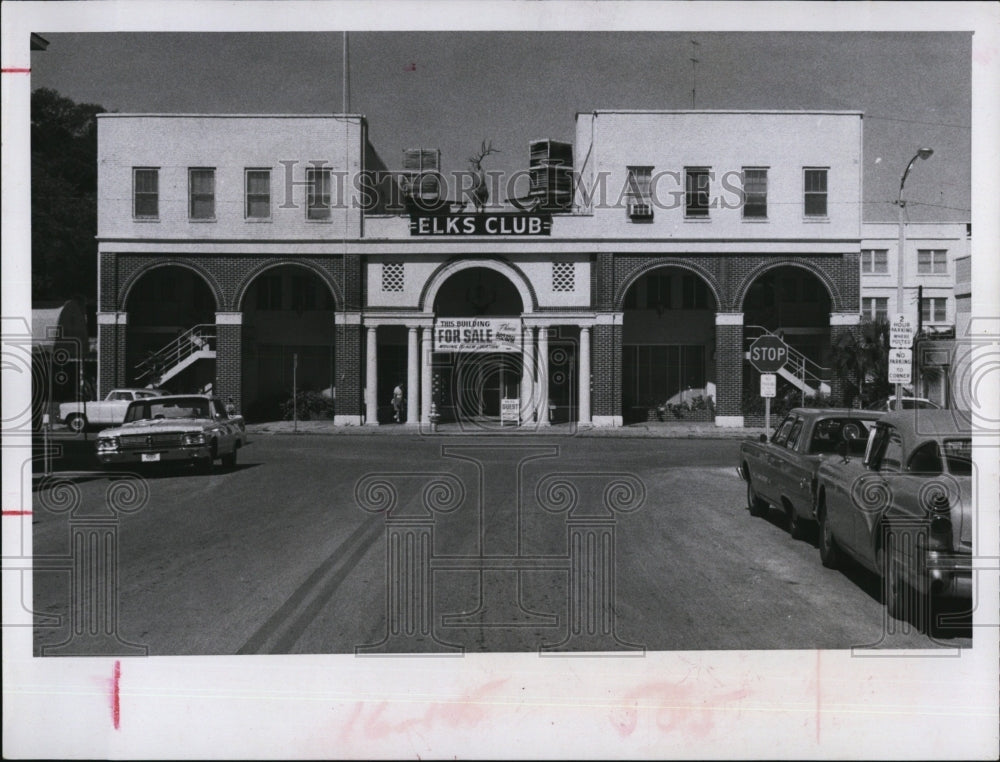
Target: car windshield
958, 456
830, 432
159, 408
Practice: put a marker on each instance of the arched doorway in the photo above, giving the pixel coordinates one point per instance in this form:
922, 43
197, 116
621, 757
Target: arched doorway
668, 344
477, 360
288, 341
170, 310
793, 303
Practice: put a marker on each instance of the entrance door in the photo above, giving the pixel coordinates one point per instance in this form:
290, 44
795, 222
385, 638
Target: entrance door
480, 381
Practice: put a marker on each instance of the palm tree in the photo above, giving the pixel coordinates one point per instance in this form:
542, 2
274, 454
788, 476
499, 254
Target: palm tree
861, 361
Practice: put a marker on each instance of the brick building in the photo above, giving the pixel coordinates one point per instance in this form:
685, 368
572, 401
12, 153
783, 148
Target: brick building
645, 257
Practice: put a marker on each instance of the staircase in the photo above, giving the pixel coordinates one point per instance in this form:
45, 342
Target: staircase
799, 370
183, 352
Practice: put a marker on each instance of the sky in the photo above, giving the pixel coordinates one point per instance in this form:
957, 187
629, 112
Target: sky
452, 90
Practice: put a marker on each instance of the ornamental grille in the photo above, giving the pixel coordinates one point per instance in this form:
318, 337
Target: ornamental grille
563, 276
149, 441
392, 276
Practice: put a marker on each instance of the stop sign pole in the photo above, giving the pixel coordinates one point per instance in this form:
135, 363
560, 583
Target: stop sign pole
768, 355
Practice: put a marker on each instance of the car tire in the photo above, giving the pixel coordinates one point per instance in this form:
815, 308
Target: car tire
77, 423
902, 602
755, 505
797, 526
229, 461
829, 553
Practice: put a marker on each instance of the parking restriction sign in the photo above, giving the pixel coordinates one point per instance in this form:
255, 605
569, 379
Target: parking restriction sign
900, 333
900, 365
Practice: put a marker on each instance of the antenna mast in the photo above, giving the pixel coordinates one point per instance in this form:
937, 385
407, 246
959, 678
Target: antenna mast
694, 64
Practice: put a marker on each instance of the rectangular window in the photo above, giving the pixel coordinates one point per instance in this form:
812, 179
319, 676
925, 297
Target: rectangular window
874, 260
754, 193
201, 185
934, 309
318, 194
639, 197
258, 194
932, 261
815, 194
269, 292
694, 293
696, 187
875, 308
146, 193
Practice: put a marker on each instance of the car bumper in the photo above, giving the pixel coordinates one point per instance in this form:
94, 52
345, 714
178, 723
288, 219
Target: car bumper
181, 455
949, 575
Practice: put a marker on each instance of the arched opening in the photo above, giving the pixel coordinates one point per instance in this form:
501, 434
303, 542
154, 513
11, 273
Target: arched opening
794, 304
288, 343
668, 347
473, 373
171, 330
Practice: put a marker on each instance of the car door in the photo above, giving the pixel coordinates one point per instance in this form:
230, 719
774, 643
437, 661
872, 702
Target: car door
797, 468
766, 481
875, 496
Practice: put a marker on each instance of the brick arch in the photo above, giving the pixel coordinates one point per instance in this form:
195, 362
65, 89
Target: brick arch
836, 300
249, 278
683, 264
529, 301
205, 275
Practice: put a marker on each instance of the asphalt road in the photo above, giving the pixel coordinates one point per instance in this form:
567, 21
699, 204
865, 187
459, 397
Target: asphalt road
498, 544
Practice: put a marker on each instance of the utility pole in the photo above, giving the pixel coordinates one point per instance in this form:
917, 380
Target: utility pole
694, 64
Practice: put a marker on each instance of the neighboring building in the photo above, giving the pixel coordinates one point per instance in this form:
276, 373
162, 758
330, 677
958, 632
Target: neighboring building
61, 355
933, 251
226, 250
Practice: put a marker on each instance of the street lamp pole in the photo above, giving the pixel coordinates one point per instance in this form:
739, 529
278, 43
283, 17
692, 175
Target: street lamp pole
923, 153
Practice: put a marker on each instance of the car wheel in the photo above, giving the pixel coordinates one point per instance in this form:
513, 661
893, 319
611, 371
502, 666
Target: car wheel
755, 505
229, 461
797, 526
902, 602
829, 553
77, 423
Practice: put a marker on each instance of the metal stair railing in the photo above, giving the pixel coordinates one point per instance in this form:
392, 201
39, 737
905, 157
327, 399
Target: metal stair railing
197, 339
798, 365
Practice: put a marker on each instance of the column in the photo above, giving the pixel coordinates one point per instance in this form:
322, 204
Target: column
229, 358
842, 323
347, 362
426, 392
412, 376
543, 376
584, 395
371, 377
111, 329
527, 375
606, 355
729, 357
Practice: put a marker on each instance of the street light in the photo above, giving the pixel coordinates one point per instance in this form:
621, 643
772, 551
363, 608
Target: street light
922, 153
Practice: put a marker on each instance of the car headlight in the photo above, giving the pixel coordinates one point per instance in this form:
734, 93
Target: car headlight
108, 444
192, 440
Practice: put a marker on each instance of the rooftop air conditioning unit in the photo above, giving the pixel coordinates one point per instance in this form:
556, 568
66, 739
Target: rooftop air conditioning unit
640, 211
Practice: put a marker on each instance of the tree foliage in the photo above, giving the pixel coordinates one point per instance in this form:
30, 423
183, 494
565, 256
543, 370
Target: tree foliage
63, 197
861, 361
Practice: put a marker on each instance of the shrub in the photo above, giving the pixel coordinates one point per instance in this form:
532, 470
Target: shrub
312, 406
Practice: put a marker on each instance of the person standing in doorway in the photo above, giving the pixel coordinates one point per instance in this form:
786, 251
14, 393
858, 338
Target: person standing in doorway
397, 403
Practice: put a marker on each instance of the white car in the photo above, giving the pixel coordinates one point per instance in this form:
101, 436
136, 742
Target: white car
107, 412
909, 403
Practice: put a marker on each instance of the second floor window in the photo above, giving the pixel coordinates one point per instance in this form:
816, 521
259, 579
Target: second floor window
934, 309
318, 194
874, 260
875, 308
815, 192
258, 194
932, 261
696, 185
755, 193
146, 193
202, 192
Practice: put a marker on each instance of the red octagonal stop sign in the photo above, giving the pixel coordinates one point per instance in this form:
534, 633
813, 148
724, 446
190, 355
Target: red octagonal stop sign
768, 354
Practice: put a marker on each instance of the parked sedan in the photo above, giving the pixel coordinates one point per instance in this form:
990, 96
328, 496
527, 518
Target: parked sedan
189, 428
903, 509
781, 471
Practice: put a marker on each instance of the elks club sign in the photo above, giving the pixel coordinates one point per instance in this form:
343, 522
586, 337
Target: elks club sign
506, 223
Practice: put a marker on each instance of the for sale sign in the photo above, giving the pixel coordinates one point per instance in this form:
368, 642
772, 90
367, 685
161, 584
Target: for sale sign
477, 335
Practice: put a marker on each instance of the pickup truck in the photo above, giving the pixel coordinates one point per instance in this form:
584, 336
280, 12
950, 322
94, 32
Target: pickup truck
904, 509
193, 429
80, 415
781, 471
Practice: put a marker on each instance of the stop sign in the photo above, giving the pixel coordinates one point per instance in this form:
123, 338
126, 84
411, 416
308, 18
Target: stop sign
768, 354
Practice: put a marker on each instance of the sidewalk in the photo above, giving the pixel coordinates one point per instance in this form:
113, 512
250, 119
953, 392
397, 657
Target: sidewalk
655, 430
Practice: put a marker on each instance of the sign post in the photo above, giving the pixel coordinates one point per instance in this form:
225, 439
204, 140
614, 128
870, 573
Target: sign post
900, 340
768, 355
